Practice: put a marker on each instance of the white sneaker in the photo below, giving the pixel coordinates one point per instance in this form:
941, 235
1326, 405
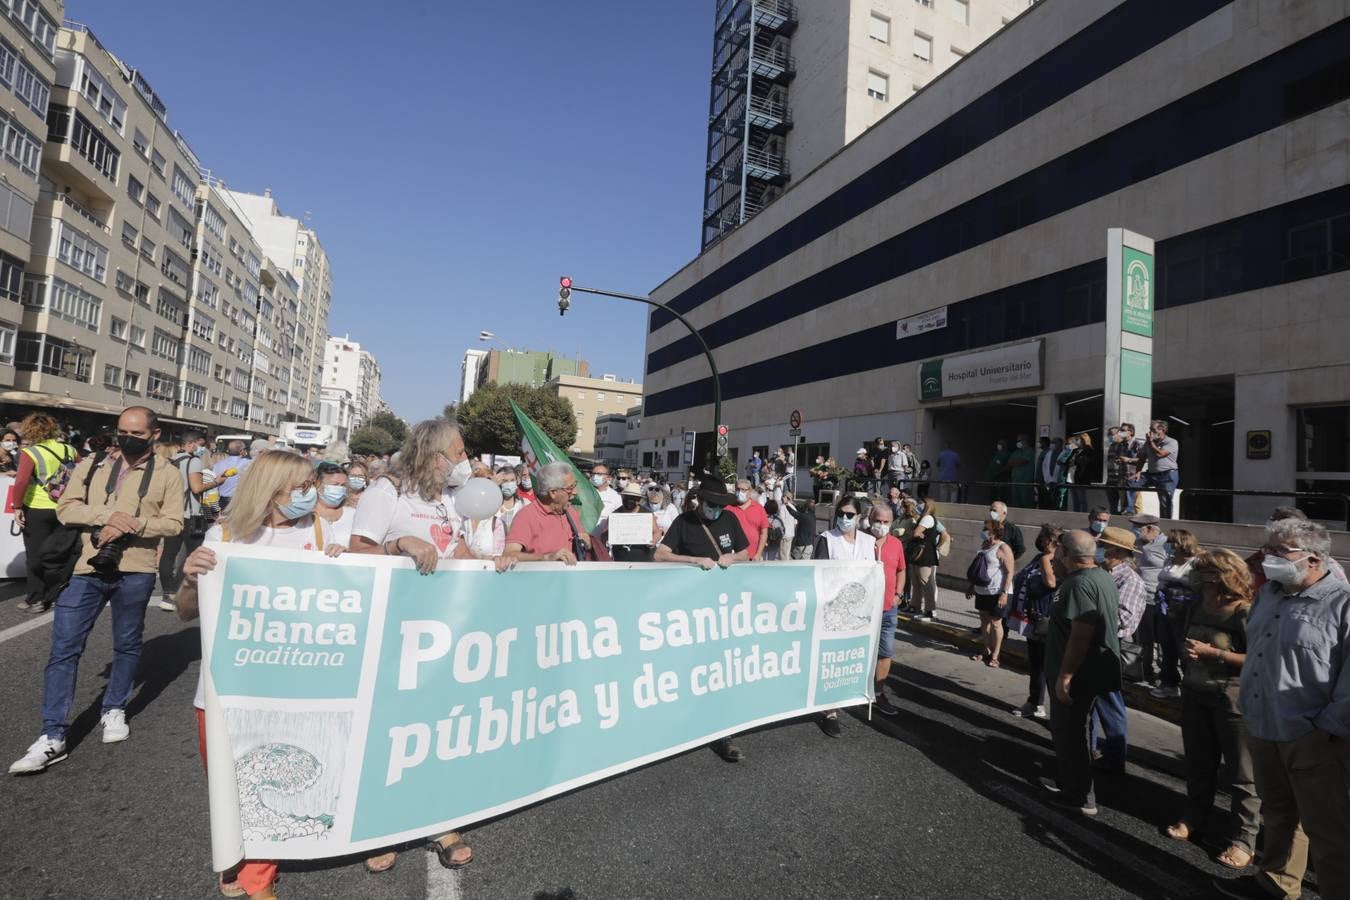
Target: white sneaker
44, 752
1041, 713
1164, 692
165, 602
115, 726
1024, 711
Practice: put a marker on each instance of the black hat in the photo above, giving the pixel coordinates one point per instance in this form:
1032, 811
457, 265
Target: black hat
714, 490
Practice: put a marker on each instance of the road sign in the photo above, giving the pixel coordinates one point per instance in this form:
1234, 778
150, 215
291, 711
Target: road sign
795, 420
722, 440
796, 432
689, 448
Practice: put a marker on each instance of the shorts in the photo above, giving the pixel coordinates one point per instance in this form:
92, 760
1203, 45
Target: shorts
886, 645
988, 604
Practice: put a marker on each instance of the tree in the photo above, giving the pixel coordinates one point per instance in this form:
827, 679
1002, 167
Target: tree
489, 425
372, 441
396, 427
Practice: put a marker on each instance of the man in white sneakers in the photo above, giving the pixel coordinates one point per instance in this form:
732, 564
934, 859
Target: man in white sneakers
124, 508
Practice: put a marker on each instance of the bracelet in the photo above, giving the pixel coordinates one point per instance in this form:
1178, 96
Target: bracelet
397, 547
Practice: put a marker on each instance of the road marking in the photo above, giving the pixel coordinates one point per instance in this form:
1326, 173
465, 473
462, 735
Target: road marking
442, 883
17, 630
1092, 837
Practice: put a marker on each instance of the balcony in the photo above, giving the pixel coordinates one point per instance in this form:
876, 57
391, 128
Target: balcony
765, 165
779, 16
60, 200
771, 115
772, 63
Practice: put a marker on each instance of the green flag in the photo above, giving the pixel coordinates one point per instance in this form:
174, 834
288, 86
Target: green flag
538, 450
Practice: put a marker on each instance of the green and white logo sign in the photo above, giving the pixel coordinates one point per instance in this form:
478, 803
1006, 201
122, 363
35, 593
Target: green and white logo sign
1013, 368
1136, 311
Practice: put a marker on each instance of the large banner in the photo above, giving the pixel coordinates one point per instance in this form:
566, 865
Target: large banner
364, 705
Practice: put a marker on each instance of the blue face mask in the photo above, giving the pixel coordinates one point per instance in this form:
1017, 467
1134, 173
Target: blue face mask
711, 512
508, 488
357, 483
1098, 527
200, 452
302, 504
846, 523
334, 494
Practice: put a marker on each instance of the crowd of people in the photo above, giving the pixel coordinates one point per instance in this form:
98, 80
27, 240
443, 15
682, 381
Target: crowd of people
1254, 649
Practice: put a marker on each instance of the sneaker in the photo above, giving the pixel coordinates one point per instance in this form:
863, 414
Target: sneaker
165, 602
115, 726
829, 723
44, 752
36, 607
1088, 808
1027, 710
884, 706
727, 750
1165, 692
1041, 713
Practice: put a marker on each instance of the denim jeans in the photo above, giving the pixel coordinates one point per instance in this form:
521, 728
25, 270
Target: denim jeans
1069, 731
1131, 493
1166, 483
77, 609
1109, 713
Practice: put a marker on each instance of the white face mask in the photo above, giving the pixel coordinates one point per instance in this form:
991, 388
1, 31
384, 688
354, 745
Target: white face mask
461, 473
880, 528
994, 516
742, 496
984, 536
1284, 572
10, 446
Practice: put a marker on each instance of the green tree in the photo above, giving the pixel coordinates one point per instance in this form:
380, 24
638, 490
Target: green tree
397, 428
489, 426
372, 441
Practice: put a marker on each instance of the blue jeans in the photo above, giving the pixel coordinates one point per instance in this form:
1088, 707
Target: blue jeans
1166, 483
77, 609
1108, 713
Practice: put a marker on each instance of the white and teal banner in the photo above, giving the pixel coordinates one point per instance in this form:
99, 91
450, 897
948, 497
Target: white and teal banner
365, 705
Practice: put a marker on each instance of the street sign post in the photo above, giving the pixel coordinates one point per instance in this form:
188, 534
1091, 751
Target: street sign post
795, 420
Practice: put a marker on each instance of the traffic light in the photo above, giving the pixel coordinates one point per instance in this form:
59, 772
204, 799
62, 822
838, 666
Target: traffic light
723, 435
564, 292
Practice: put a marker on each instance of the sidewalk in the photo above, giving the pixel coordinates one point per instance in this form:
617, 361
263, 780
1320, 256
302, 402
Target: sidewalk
956, 616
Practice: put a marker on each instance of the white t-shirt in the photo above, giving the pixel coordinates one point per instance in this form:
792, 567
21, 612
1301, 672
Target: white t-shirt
299, 536
507, 515
383, 514
339, 531
610, 501
666, 515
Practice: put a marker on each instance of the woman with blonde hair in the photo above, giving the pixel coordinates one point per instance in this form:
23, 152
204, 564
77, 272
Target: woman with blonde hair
924, 548
273, 506
40, 466
1212, 730
1076, 471
358, 476
1175, 597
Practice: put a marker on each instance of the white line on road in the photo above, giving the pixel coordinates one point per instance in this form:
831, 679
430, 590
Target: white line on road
442, 883
17, 630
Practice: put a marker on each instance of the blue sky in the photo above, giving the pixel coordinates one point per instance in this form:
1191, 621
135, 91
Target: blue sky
456, 157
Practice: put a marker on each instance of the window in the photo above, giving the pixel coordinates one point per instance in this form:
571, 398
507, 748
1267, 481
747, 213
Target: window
165, 345
183, 187
79, 251
8, 335
65, 125
140, 142
878, 85
879, 28
203, 326
27, 85
16, 212
137, 336
194, 395
923, 47
74, 305
129, 236
171, 307
157, 163
35, 24
112, 376
22, 147
600, 396
131, 382
117, 328
199, 361
238, 408
128, 285
36, 352
152, 206
101, 96
959, 10
210, 261
148, 248
176, 268
180, 228
161, 386
925, 3
135, 190
215, 222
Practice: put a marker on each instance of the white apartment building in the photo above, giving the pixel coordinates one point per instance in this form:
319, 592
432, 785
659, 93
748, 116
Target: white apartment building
350, 390
469, 367
295, 247
607, 446
793, 81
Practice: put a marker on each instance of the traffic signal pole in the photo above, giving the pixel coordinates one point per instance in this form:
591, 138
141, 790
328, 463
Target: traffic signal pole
563, 302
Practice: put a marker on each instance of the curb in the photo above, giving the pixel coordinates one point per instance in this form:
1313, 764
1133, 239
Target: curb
1136, 695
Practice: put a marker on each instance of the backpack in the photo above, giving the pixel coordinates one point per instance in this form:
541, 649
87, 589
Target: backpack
775, 529
58, 478
982, 569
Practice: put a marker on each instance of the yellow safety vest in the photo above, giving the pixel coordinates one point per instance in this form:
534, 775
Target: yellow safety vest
44, 466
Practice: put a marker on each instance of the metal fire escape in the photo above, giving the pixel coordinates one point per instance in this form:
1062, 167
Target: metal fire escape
748, 116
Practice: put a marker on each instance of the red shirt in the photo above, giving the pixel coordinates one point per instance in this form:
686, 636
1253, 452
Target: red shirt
754, 521
892, 556
537, 530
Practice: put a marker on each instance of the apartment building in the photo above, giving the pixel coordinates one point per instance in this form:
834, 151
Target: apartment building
350, 391
468, 373
295, 247
592, 397
607, 445
793, 82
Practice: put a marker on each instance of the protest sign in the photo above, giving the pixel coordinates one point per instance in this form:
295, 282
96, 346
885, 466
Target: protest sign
365, 705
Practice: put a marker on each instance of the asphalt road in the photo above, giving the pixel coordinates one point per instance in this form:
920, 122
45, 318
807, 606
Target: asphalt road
941, 802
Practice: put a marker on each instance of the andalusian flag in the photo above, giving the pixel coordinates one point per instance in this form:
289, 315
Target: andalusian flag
537, 450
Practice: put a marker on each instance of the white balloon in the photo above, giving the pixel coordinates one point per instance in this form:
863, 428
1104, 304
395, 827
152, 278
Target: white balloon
478, 498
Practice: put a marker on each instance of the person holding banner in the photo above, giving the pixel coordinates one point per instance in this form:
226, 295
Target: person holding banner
274, 505
891, 553
334, 514
845, 541
548, 530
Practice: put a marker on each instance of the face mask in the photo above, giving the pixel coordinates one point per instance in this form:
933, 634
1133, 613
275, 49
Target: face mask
200, 452
879, 529
654, 501
922, 507
598, 480
710, 512
526, 484
131, 446
629, 504
1097, 527
1020, 445
10, 446
1283, 572
508, 488
623, 483
356, 483
461, 473
742, 496
302, 504
334, 494
993, 516
846, 523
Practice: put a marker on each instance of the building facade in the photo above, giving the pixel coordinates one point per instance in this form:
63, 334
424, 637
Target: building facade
592, 397
468, 373
607, 446
351, 385
977, 214
632, 429
793, 82
532, 367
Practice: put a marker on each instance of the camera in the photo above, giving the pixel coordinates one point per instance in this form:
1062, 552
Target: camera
108, 560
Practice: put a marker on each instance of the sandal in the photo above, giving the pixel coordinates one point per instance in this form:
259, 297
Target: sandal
1181, 831
992, 663
1235, 857
381, 862
446, 852
231, 888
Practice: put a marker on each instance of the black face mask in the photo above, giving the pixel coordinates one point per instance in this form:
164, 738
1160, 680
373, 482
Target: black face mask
629, 504
131, 446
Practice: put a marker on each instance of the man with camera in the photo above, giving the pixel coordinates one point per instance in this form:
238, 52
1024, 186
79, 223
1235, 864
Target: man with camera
1161, 452
124, 508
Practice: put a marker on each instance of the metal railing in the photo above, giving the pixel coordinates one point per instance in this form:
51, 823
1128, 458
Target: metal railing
75, 205
765, 160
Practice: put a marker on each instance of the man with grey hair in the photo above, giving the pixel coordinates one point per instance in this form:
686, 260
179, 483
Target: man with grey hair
1082, 661
1295, 700
548, 530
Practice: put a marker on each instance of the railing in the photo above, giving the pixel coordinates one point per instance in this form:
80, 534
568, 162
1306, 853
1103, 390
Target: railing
765, 160
775, 58
770, 108
76, 206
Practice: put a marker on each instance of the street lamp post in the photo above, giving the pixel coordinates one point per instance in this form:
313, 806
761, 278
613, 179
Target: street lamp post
563, 303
